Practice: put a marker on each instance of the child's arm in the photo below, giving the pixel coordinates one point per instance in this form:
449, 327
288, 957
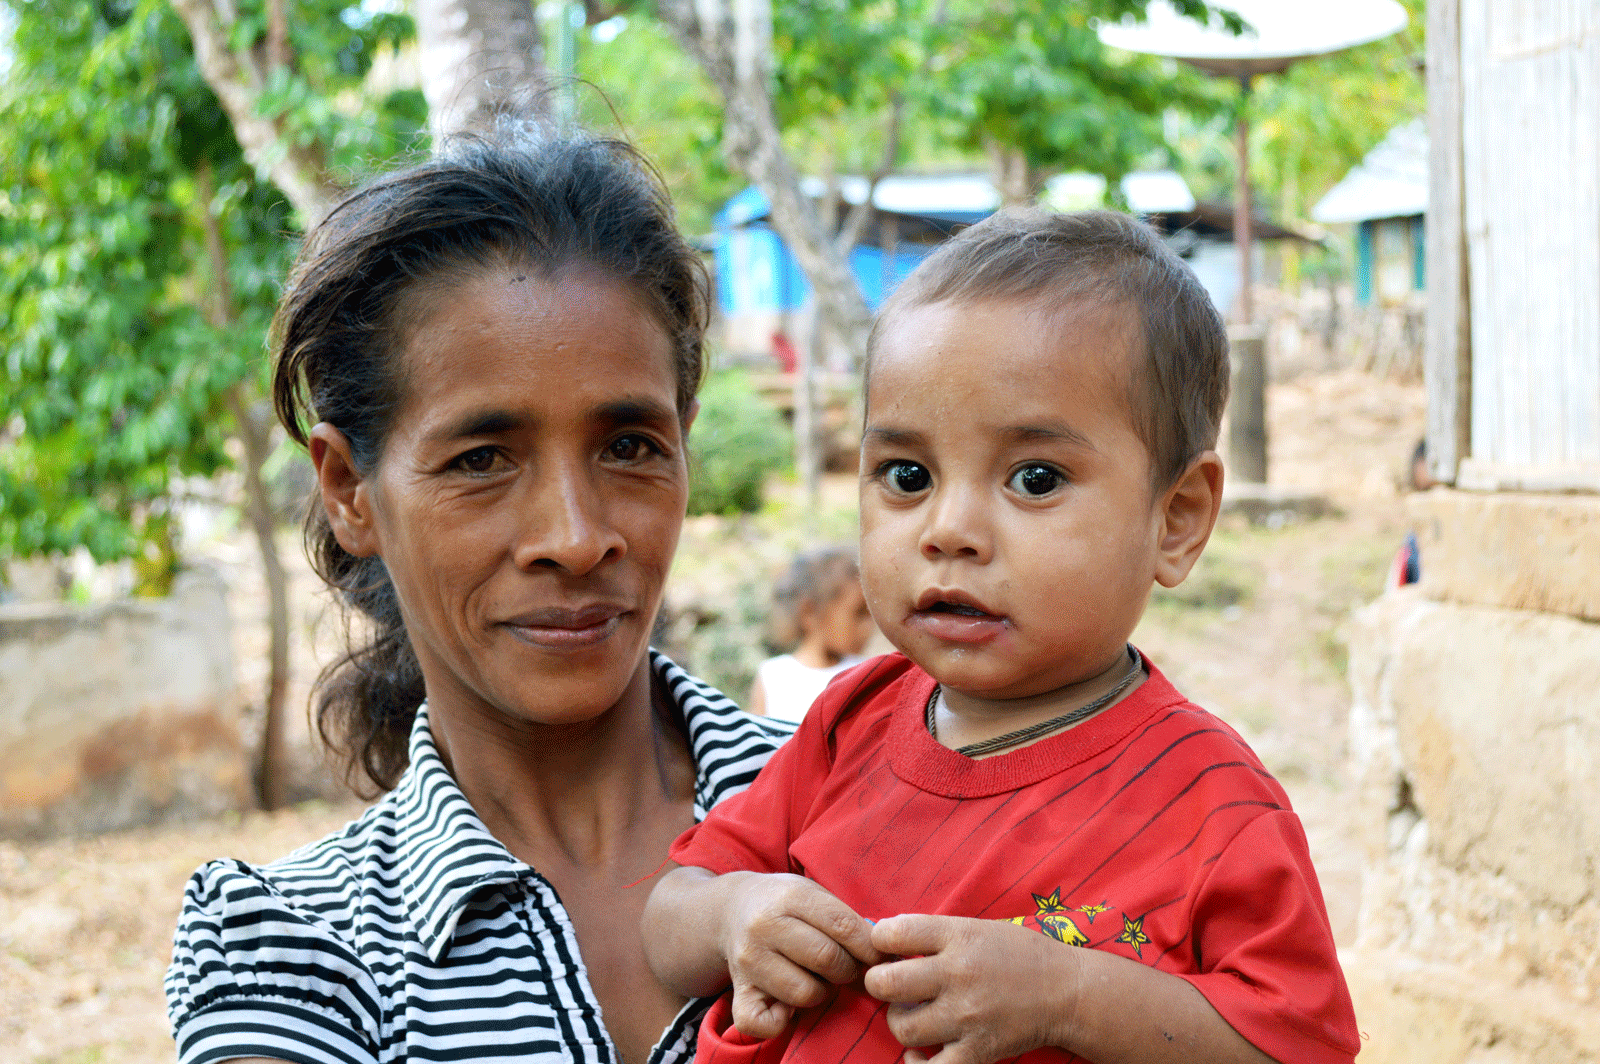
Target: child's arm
987, 990
776, 937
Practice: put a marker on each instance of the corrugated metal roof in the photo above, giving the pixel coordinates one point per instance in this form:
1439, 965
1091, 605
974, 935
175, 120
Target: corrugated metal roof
960, 197
1391, 182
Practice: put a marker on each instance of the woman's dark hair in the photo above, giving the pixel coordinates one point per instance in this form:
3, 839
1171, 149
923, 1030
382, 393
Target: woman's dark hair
505, 200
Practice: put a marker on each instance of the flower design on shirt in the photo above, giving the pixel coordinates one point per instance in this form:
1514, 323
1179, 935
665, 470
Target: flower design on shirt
1091, 911
1133, 934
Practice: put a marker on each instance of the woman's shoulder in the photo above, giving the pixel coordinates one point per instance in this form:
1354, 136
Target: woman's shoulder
275, 946
729, 746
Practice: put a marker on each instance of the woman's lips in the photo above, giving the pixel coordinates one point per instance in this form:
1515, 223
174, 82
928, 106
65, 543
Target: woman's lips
559, 628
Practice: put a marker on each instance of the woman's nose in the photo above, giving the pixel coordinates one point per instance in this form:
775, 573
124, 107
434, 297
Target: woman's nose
957, 526
565, 525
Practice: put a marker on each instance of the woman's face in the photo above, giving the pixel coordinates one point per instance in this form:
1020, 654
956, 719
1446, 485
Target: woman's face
528, 501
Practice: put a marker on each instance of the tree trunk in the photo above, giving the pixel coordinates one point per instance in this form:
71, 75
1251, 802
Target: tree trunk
238, 76
733, 44
1013, 175
479, 58
253, 424
271, 770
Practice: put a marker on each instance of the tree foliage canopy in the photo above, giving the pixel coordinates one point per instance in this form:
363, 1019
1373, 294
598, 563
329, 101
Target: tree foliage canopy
118, 353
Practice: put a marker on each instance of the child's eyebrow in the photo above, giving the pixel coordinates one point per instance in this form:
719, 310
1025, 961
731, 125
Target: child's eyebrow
894, 437
1049, 432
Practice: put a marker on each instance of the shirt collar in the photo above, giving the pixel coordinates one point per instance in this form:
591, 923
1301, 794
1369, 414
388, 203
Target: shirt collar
446, 854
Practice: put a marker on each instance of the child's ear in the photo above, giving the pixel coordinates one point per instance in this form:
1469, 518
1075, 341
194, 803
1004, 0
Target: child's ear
1188, 514
346, 495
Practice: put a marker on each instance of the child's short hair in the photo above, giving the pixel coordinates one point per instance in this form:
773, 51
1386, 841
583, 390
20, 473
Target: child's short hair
815, 577
1103, 258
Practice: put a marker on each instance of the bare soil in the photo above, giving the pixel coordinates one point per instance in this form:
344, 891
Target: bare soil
85, 925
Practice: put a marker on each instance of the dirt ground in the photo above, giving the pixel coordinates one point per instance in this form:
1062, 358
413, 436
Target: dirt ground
85, 925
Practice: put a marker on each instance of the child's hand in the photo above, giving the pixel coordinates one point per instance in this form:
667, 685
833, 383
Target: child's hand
983, 989
782, 933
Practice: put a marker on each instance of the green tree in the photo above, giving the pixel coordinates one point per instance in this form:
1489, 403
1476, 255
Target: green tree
139, 260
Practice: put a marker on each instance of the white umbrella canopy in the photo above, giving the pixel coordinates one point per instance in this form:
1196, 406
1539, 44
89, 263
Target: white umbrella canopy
1280, 32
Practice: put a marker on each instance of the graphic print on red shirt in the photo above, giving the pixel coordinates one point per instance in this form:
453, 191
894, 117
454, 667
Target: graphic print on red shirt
1150, 830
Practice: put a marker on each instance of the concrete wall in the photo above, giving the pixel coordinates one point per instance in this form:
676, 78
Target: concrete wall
1475, 739
117, 715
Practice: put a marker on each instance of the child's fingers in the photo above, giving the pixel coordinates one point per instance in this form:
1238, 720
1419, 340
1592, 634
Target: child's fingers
914, 934
842, 925
924, 1025
904, 982
757, 1015
776, 976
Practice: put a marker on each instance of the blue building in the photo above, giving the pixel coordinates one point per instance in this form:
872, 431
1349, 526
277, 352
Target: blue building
758, 274
763, 293
1386, 198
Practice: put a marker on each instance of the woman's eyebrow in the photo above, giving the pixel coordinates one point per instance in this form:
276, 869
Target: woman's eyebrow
478, 423
633, 411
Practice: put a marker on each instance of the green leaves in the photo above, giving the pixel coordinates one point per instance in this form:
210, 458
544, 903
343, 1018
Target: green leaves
119, 338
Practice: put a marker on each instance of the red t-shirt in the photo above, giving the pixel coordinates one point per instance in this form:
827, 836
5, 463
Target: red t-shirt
1150, 830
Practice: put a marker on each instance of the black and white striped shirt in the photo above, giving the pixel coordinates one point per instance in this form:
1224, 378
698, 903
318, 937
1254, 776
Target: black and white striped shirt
413, 934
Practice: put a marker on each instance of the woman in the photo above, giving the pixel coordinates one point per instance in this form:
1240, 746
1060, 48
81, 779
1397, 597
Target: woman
496, 353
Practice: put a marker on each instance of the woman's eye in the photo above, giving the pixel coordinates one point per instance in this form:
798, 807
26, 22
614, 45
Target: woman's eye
478, 460
907, 477
630, 448
1036, 480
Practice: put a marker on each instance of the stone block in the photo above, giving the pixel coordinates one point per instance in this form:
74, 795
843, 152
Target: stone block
1414, 1012
1475, 738
1524, 552
118, 715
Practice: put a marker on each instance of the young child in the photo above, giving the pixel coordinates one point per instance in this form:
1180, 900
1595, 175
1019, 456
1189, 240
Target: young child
1043, 397
818, 608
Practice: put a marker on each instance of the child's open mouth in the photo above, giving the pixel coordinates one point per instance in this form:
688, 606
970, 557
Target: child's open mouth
961, 609
955, 617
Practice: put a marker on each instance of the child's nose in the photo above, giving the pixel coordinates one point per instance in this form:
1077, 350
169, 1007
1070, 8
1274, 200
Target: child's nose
957, 527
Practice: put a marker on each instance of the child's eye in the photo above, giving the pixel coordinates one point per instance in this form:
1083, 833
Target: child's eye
631, 448
1036, 479
479, 460
908, 478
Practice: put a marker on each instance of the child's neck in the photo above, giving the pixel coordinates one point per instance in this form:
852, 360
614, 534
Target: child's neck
815, 653
963, 720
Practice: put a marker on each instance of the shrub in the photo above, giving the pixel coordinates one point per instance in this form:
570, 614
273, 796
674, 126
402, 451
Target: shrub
737, 440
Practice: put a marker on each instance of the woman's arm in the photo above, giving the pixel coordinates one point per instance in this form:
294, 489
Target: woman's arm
986, 990
775, 937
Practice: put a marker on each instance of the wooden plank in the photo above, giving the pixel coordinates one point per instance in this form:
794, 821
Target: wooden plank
1569, 478
1529, 100
1447, 358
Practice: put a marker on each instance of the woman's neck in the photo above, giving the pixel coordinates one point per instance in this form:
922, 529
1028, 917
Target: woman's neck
576, 794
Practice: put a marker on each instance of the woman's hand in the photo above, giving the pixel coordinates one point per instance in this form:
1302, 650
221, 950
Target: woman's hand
783, 936
985, 990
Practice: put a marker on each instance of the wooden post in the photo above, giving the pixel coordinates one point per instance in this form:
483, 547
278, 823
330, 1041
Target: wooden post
1242, 235
1247, 421
1447, 350
1247, 403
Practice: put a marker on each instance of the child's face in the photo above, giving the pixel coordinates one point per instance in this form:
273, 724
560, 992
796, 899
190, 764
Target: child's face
1009, 532
843, 621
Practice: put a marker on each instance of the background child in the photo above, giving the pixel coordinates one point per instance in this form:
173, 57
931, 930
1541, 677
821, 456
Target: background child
818, 609
1043, 397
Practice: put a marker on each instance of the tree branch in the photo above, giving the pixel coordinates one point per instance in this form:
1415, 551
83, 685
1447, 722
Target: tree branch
237, 78
855, 223
738, 63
